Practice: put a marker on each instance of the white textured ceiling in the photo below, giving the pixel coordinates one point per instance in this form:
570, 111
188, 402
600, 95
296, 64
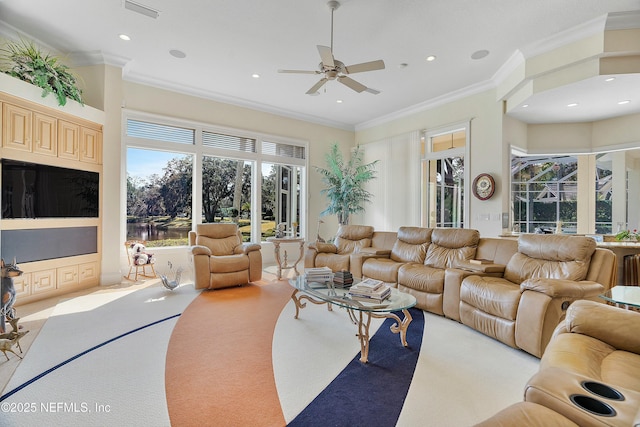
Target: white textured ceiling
226, 41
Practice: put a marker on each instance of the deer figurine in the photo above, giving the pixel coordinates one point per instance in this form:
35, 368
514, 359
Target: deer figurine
6, 344
15, 333
7, 292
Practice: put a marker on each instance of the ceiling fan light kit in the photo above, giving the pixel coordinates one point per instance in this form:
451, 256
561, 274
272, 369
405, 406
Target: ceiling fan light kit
336, 70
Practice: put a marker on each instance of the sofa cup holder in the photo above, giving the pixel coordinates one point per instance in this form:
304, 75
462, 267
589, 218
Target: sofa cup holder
602, 390
592, 405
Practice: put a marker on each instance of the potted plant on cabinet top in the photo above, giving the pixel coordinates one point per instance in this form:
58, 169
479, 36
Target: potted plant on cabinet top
345, 180
28, 63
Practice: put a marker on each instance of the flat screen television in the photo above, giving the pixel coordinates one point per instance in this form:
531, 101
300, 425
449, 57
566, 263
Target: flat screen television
31, 190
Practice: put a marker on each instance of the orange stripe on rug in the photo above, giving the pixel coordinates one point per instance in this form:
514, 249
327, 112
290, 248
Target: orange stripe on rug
219, 369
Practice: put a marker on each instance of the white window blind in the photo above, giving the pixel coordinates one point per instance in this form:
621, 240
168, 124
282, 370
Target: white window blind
283, 150
158, 132
228, 142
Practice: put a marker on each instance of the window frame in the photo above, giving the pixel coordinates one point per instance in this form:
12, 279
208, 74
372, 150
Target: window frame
429, 155
199, 150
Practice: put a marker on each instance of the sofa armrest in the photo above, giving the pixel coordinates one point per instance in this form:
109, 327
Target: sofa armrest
614, 326
250, 247
200, 250
321, 247
561, 288
375, 252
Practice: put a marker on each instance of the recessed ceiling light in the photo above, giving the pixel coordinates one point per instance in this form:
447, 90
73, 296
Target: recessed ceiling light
255, 75
177, 53
610, 79
339, 101
479, 54
124, 37
626, 101
431, 58
573, 104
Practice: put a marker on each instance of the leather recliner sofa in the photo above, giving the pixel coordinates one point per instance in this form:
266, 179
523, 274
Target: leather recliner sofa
517, 295
523, 307
410, 246
589, 374
351, 244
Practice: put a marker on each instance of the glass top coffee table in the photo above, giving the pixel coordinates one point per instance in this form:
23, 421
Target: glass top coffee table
359, 312
623, 296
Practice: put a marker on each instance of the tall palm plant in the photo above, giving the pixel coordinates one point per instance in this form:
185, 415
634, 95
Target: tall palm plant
345, 180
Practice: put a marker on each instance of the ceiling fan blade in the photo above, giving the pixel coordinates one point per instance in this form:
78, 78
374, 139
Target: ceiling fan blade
299, 71
317, 86
365, 66
371, 90
327, 56
349, 82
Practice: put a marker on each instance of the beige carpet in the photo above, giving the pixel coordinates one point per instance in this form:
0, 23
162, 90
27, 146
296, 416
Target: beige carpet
462, 376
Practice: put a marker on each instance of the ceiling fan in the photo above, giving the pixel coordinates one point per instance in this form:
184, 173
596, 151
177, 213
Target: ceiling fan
336, 70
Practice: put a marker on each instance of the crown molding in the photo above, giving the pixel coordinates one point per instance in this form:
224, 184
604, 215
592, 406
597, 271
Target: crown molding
623, 20
565, 37
10, 32
429, 104
96, 57
200, 93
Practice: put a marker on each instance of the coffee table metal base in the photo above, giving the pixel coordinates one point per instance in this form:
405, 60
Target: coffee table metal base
362, 319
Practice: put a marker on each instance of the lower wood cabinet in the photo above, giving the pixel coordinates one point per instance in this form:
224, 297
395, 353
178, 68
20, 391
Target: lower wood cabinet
82, 275
38, 282
35, 285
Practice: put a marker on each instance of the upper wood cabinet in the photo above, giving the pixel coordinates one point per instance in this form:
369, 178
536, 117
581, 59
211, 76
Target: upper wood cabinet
90, 145
45, 134
16, 127
37, 130
68, 140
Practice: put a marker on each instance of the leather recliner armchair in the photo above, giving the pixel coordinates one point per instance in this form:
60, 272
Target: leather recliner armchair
594, 353
220, 259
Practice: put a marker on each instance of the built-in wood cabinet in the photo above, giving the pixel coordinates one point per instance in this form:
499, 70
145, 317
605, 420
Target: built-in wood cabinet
68, 140
45, 134
42, 283
90, 146
27, 129
38, 283
35, 131
77, 275
16, 127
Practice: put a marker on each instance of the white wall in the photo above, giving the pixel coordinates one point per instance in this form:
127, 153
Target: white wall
398, 181
488, 152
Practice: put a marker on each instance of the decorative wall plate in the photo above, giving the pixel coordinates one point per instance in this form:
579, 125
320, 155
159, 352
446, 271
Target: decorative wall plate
483, 186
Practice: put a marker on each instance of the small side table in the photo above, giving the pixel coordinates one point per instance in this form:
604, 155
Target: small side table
282, 260
624, 297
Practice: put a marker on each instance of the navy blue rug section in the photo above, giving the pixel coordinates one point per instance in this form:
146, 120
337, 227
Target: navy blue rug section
370, 394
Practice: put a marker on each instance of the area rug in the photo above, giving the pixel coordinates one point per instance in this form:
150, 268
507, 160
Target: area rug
98, 361
152, 357
219, 369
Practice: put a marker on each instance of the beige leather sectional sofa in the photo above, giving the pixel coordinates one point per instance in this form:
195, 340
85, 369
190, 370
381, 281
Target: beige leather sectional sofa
589, 374
518, 295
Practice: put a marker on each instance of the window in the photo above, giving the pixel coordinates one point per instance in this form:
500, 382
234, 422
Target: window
280, 183
176, 168
544, 192
226, 192
445, 179
604, 192
159, 196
